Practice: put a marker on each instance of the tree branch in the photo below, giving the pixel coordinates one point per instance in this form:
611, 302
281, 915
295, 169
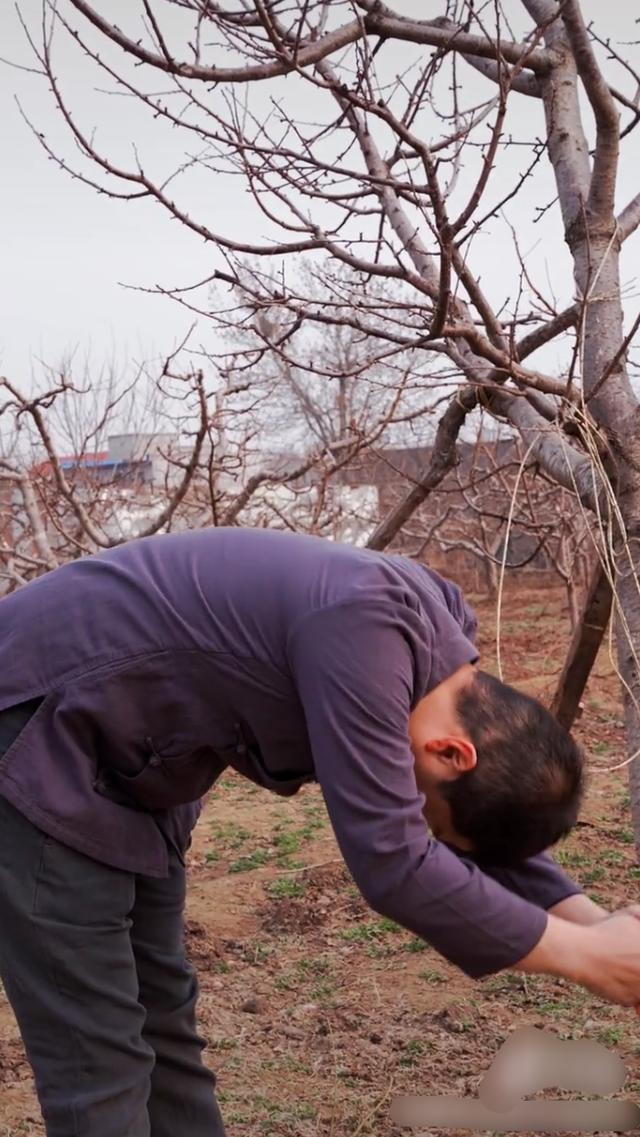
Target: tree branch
178, 495
547, 332
442, 460
585, 644
381, 21
307, 55
524, 84
629, 219
32, 510
605, 162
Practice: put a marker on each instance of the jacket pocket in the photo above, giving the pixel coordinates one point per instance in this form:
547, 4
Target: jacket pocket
14, 720
167, 780
247, 761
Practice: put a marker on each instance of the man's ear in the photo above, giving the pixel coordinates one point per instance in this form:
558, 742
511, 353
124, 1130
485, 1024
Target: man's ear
458, 754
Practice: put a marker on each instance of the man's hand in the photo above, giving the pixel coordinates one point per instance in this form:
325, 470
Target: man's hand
603, 957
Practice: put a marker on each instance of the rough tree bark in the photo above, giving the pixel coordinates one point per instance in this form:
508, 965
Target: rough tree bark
587, 198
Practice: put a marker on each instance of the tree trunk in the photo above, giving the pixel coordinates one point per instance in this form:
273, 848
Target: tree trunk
572, 603
628, 630
490, 577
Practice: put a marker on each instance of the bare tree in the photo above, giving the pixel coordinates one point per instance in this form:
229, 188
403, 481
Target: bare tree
398, 169
61, 500
90, 461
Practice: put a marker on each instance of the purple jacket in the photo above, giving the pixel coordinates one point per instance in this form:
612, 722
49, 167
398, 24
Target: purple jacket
288, 658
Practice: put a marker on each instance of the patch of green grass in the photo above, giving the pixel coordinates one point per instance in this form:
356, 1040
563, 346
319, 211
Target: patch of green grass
296, 1065
593, 875
253, 861
315, 814
285, 982
287, 842
555, 1008
346, 1079
360, 934
431, 976
625, 835
255, 951
289, 839
506, 984
229, 833
211, 857
571, 858
381, 951
390, 926
370, 930
285, 887
323, 992
324, 984
412, 1051
416, 945
611, 1035
316, 966
316, 971
262, 1113
613, 857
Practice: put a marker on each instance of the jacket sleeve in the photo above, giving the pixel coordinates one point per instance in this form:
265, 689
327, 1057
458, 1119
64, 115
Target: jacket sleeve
459, 608
539, 879
354, 668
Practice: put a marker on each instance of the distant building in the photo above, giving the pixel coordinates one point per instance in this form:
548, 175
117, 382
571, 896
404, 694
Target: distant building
130, 459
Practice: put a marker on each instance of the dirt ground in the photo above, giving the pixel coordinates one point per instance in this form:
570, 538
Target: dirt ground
316, 1011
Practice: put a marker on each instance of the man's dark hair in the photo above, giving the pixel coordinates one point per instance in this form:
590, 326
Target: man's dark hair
526, 790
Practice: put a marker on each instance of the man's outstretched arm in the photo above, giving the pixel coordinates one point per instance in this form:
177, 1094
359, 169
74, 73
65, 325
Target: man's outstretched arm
353, 668
579, 909
354, 665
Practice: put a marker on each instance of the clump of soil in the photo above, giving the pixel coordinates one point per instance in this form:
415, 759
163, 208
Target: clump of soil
327, 895
290, 914
203, 947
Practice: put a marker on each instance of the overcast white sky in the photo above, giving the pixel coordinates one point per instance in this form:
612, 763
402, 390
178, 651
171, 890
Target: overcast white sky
65, 250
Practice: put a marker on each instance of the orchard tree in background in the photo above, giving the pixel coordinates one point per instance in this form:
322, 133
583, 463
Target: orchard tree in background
89, 460
398, 146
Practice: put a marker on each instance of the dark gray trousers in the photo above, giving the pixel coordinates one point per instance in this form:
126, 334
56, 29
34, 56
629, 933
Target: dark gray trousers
92, 961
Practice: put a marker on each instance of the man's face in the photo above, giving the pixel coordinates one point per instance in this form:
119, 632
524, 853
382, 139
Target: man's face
442, 752
437, 811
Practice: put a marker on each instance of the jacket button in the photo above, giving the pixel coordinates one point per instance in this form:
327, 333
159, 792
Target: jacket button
155, 761
98, 785
241, 748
